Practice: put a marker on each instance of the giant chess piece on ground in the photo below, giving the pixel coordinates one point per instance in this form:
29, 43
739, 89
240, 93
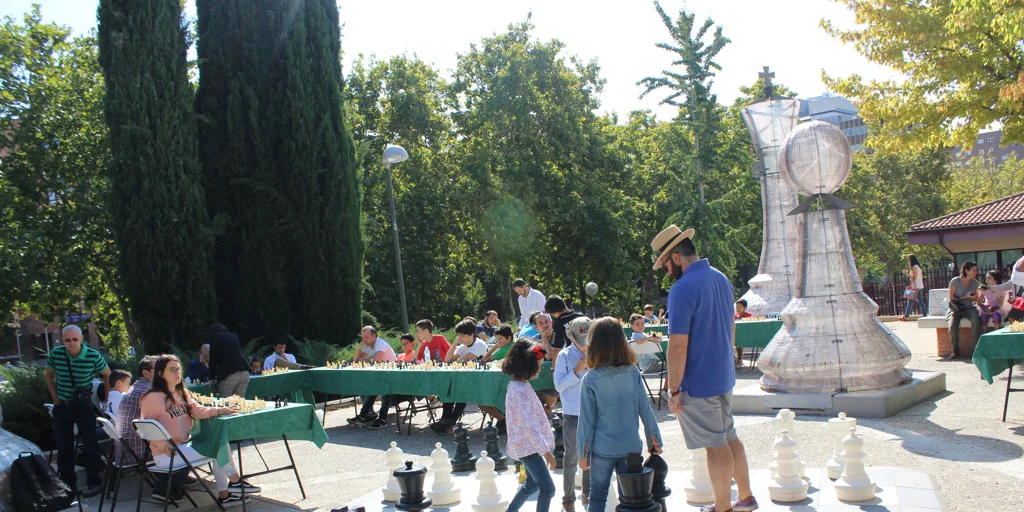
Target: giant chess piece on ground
854, 484
787, 486
464, 459
636, 484
769, 120
839, 427
488, 499
411, 479
831, 340
559, 451
443, 491
394, 456
491, 438
658, 489
783, 421
698, 489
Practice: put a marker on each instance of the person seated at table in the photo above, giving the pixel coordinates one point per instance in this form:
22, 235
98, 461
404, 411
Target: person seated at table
991, 302
374, 348
503, 336
485, 329
467, 347
662, 316
430, 346
648, 362
279, 353
408, 354
530, 331
170, 404
649, 317
741, 312
199, 368
255, 367
120, 382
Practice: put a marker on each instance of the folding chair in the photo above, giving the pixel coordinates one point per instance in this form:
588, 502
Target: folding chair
151, 430
413, 409
662, 375
116, 465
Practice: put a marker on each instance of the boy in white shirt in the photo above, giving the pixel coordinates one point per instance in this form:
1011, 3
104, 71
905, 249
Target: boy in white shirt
467, 346
120, 382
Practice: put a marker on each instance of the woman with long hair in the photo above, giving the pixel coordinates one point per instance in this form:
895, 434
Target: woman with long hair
916, 277
170, 404
963, 291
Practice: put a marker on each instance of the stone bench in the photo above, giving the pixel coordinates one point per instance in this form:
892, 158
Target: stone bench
936, 319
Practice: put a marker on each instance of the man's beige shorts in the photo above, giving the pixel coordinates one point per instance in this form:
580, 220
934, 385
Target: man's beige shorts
707, 422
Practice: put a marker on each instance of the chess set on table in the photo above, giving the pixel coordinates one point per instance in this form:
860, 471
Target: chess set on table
759, 318
244, 406
1017, 327
274, 371
432, 365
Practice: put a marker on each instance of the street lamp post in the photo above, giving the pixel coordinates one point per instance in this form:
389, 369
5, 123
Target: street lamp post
394, 155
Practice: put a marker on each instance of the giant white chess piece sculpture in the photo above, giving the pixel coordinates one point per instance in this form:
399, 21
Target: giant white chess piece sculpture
769, 120
443, 491
839, 427
393, 457
787, 486
854, 485
489, 499
784, 422
831, 341
698, 488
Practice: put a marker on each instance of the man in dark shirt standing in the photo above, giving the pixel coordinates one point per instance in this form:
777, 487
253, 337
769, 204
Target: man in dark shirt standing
227, 364
556, 307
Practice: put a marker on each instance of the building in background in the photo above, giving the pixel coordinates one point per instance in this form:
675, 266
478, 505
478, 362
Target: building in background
988, 147
839, 112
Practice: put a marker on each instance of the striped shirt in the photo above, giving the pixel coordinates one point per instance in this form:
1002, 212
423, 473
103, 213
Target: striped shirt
83, 368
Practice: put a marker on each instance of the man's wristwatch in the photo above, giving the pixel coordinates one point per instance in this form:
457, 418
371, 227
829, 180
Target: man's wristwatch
673, 394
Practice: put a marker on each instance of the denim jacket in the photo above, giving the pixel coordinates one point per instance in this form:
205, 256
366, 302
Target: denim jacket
613, 402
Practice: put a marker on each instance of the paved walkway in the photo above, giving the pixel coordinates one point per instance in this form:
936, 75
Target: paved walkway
957, 437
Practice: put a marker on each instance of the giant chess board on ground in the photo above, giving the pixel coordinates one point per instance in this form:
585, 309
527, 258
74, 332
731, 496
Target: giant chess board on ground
899, 490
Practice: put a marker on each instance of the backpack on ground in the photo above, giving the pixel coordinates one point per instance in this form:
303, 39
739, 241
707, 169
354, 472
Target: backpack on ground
36, 486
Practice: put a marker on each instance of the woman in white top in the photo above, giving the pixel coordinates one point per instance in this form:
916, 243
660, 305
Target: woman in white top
916, 276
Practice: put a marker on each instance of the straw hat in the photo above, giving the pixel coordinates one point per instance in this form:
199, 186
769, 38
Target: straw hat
666, 240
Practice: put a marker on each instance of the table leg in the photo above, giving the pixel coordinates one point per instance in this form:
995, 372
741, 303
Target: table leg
294, 467
1006, 400
241, 472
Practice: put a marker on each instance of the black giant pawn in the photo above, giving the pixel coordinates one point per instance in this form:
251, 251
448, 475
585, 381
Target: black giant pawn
464, 459
559, 451
410, 480
493, 451
636, 484
658, 490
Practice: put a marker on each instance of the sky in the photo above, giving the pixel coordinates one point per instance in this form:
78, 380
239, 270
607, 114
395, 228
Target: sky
621, 35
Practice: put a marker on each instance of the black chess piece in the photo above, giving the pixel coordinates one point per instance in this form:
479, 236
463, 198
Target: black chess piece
559, 451
493, 450
342, 509
636, 484
410, 480
464, 459
658, 489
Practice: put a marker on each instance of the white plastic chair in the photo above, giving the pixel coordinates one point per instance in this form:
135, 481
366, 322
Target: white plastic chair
152, 430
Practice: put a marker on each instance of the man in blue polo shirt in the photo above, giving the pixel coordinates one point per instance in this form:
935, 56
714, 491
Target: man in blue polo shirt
701, 374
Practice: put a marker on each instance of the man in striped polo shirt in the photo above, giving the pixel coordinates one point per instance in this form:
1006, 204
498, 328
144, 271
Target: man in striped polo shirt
69, 368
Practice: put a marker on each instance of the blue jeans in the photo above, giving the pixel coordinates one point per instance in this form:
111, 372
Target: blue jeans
601, 478
537, 477
915, 300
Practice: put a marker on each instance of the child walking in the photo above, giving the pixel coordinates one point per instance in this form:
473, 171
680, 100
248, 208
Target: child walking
570, 368
529, 433
613, 402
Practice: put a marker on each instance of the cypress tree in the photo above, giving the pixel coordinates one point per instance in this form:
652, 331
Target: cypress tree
158, 207
278, 163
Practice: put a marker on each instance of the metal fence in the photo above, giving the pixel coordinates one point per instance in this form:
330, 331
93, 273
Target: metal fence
889, 296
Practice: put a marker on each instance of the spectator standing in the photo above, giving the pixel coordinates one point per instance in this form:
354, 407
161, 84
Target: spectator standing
916, 277
557, 308
70, 369
570, 368
530, 300
227, 364
199, 368
529, 433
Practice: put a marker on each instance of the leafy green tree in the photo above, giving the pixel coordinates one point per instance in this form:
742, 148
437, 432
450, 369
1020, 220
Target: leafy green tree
158, 207
980, 182
964, 66
57, 252
279, 164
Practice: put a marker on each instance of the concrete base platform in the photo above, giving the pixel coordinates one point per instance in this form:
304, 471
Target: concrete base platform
898, 490
880, 403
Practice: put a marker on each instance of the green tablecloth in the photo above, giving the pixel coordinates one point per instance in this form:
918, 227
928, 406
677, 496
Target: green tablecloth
756, 334
660, 329
293, 384
210, 437
994, 351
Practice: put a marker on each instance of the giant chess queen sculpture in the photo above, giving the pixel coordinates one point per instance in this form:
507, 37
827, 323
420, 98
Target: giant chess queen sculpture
769, 120
831, 340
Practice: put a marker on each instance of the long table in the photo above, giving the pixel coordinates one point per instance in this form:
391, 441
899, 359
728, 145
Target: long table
997, 352
753, 334
293, 384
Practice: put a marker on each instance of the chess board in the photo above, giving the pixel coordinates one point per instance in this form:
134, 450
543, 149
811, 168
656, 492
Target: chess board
899, 490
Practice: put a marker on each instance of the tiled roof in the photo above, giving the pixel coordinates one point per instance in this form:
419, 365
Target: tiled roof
1009, 209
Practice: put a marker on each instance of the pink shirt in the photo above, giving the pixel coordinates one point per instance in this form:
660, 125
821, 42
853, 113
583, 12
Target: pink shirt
528, 429
173, 416
990, 298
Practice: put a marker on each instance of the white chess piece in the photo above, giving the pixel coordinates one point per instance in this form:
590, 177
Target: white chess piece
444, 491
489, 499
787, 486
784, 421
578, 483
854, 484
394, 456
698, 489
839, 427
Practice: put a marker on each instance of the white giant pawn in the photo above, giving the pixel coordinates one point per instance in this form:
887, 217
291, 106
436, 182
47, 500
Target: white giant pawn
578, 483
839, 427
698, 489
444, 491
784, 421
489, 499
854, 484
787, 486
394, 456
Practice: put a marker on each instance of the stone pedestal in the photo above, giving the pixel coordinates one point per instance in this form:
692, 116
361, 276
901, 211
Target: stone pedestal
945, 347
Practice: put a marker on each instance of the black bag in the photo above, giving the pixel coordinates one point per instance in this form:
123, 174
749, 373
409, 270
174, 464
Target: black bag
82, 395
37, 488
956, 306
